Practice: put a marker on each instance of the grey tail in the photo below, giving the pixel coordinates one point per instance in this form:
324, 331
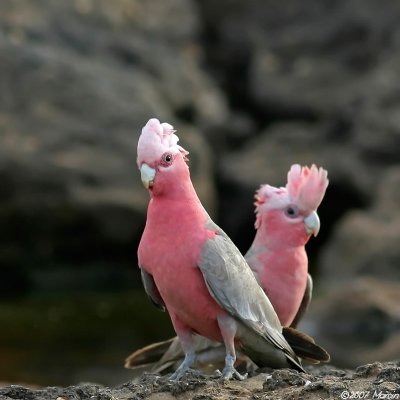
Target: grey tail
304, 346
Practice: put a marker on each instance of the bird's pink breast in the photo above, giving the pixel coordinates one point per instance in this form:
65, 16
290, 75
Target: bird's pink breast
283, 276
171, 256
187, 296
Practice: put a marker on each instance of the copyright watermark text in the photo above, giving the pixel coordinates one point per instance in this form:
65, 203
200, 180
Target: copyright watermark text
369, 394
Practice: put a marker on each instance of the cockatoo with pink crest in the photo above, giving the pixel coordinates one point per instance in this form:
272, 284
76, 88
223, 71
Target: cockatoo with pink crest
286, 218
190, 267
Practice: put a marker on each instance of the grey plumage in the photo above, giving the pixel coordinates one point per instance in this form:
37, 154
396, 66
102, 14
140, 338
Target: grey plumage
151, 290
234, 287
305, 302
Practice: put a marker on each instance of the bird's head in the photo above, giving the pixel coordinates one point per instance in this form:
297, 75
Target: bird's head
295, 205
159, 157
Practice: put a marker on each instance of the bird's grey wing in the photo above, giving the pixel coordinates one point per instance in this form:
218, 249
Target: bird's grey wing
234, 287
151, 289
304, 302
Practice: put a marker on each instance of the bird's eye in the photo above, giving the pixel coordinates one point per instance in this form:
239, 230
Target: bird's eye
167, 159
291, 211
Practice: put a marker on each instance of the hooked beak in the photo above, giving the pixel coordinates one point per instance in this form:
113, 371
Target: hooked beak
312, 223
147, 175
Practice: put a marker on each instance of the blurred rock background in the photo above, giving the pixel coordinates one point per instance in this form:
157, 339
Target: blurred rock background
252, 87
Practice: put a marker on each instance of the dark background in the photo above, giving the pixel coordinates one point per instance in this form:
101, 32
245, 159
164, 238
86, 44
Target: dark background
252, 87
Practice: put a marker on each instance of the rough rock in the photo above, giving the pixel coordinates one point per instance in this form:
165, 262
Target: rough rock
319, 382
79, 80
356, 308
357, 322
365, 243
302, 60
299, 84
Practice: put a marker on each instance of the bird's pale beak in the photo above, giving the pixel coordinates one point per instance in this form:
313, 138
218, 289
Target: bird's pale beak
312, 223
147, 175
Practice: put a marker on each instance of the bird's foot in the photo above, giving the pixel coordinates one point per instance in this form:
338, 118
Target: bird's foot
184, 368
229, 370
229, 373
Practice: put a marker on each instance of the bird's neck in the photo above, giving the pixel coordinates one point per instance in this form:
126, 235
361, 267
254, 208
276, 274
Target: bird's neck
276, 238
179, 190
178, 203
274, 253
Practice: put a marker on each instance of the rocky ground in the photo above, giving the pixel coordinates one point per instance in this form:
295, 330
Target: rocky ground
370, 381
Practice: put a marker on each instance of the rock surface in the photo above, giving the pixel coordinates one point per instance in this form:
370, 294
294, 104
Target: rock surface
77, 86
358, 310
360, 318
368, 381
365, 243
80, 78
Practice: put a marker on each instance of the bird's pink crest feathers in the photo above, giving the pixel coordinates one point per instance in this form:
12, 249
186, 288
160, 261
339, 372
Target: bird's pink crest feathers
157, 138
306, 186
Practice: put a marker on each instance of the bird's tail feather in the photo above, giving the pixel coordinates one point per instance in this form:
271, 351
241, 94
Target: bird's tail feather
148, 355
304, 346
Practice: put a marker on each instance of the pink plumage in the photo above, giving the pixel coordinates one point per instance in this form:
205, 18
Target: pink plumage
306, 186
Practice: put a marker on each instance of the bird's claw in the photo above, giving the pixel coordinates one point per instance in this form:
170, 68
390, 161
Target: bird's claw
231, 372
184, 367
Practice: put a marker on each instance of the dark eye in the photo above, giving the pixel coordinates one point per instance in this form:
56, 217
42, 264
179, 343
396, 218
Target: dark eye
167, 159
291, 211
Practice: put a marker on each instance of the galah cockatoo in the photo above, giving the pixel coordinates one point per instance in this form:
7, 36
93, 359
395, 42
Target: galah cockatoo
190, 267
286, 218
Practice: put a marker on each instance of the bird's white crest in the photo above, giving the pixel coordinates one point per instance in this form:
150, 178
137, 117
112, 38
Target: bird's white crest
156, 139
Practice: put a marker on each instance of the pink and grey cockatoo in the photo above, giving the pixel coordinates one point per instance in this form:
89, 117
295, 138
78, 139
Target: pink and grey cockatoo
286, 218
192, 268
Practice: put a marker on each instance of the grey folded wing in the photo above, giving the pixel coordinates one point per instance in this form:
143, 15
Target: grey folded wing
151, 289
234, 287
305, 302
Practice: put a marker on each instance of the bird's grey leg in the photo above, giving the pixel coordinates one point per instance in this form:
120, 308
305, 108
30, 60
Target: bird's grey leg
228, 329
186, 339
